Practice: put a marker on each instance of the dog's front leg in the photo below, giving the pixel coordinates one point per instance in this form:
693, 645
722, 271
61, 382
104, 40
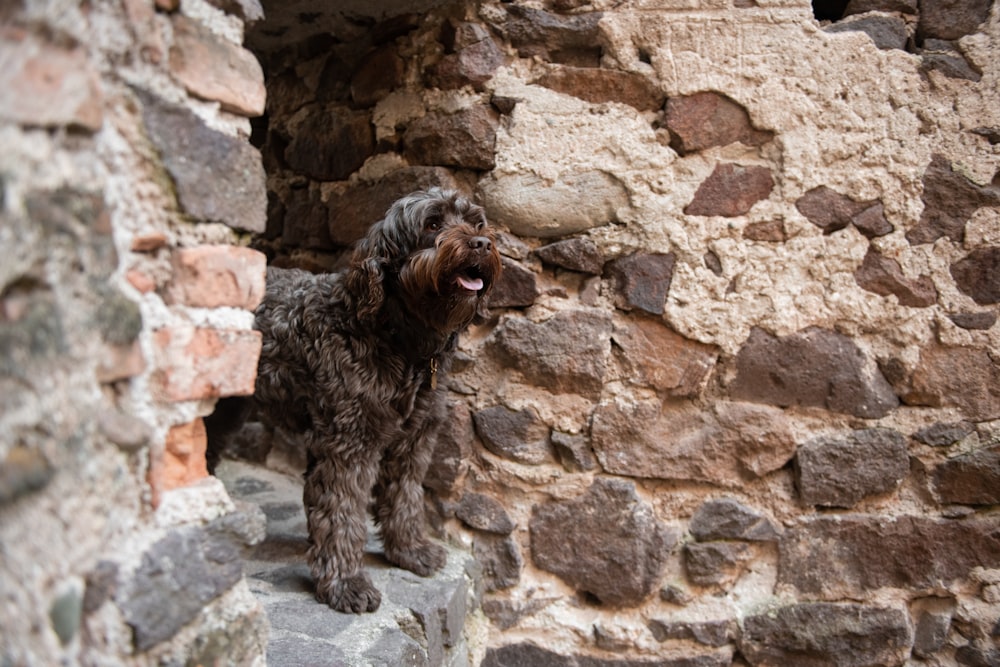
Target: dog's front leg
399, 500
336, 495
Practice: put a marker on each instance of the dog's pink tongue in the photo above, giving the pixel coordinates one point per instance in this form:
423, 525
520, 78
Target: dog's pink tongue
471, 284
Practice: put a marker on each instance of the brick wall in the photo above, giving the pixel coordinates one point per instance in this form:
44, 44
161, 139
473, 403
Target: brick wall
128, 188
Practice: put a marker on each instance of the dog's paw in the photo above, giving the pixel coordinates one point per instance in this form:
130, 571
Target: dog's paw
350, 595
424, 560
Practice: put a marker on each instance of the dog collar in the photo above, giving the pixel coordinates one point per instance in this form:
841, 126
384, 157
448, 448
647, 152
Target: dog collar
434, 373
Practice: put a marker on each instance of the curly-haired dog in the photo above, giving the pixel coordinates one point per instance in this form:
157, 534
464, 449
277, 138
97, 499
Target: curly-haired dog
352, 362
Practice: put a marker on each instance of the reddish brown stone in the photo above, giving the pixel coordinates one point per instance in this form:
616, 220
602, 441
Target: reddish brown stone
599, 85
642, 281
950, 199
707, 119
465, 139
194, 364
452, 451
962, 377
571, 40
45, 85
379, 74
472, 58
978, 275
213, 68
716, 563
731, 190
330, 144
969, 479
871, 221
884, 276
657, 357
844, 556
951, 19
814, 367
886, 32
607, 542
516, 435
577, 254
517, 287
974, 321
828, 209
216, 276
772, 231
484, 513
841, 471
728, 519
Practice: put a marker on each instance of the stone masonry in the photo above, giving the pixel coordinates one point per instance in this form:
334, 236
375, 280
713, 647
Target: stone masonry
738, 402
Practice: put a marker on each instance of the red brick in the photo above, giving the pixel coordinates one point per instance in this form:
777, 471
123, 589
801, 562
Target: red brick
182, 460
212, 68
197, 363
46, 85
217, 275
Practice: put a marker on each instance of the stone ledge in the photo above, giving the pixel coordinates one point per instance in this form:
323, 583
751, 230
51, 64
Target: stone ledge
422, 622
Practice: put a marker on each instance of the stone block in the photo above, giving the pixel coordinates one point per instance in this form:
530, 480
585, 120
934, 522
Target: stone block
471, 57
217, 177
969, 479
944, 19
851, 555
47, 85
703, 120
886, 32
729, 519
379, 73
465, 139
963, 377
932, 621
515, 435
818, 633
215, 276
330, 143
950, 198
883, 275
197, 363
517, 287
500, 559
709, 633
453, 448
212, 68
568, 353
573, 452
607, 542
731, 190
484, 513
656, 357
599, 85
944, 434
577, 254
571, 40
841, 471
977, 273
813, 367
642, 281
716, 563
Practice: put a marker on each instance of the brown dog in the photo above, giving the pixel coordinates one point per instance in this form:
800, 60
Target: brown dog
352, 361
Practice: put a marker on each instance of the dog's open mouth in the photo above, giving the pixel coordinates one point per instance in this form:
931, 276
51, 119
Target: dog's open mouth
470, 279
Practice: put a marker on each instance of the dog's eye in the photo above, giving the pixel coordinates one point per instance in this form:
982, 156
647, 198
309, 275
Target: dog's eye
432, 224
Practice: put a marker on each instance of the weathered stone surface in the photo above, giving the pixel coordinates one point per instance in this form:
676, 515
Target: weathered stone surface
969, 479
950, 62
571, 40
737, 442
517, 287
944, 434
196, 363
307, 220
330, 143
213, 276
599, 85
716, 563
24, 470
709, 633
453, 448
831, 211
642, 280
519, 436
942, 19
827, 635
849, 555
500, 558
178, 575
841, 471
771, 231
530, 205
962, 377
215, 69
217, 177
567, 353
864, 6
529, 655
703, 120
731, 190
471, 58
729, 519
978, 275
464, 139
576, 254
364, 203
871, 221
884, 276
974, 321
380, 72
932, 616
573, 452
65, 613
887, 32
657, 357
481, 512
813, 367
607, 542
46, 85
950, 199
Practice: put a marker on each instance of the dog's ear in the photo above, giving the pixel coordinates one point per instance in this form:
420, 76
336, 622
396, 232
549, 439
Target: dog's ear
373, 256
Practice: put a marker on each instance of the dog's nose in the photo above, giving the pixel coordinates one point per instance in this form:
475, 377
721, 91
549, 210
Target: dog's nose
480, 243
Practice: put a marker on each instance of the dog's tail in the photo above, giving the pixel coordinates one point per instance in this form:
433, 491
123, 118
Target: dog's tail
229, 416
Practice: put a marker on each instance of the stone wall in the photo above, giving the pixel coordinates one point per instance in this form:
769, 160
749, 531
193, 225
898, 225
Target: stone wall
739, 402
126, 182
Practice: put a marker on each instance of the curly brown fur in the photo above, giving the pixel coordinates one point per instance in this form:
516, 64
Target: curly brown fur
352, 362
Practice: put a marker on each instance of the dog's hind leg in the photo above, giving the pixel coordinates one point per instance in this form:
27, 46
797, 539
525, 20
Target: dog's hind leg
399, 502
336, 495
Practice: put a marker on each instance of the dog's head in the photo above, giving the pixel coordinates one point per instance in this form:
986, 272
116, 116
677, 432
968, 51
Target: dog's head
434, 249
